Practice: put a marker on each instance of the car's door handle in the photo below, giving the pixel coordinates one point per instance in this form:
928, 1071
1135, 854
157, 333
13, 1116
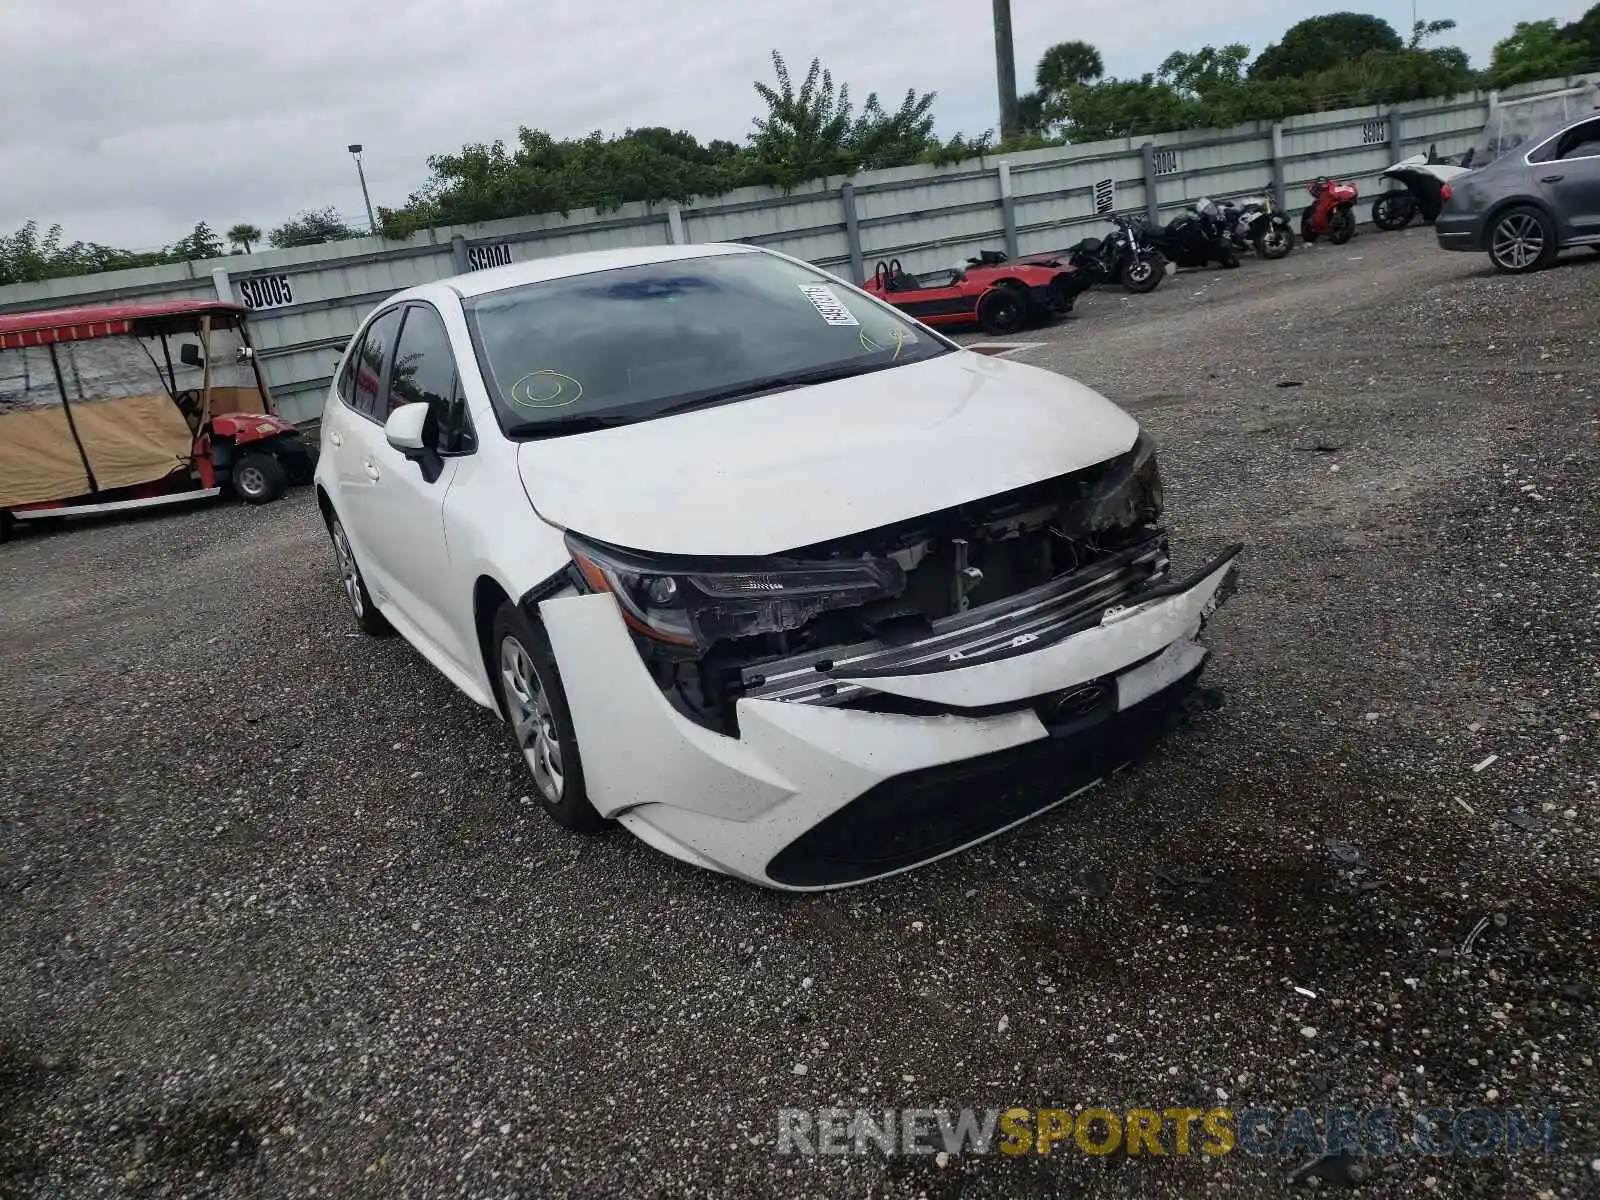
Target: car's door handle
372, 469
1552, 179
334, 439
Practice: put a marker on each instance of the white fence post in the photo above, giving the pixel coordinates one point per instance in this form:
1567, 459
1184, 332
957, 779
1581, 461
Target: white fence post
1008, 210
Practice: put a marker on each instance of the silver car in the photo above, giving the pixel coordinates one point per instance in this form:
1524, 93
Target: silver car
1533, 200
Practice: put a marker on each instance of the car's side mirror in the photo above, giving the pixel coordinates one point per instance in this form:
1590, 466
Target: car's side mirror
189, 355
413, 431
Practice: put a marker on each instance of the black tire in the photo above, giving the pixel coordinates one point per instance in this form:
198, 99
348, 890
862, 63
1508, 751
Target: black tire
1278, 247
1143, 274
259, 478
1307, 232
7, 524
1392, 211
527, 684
1522, 239
1341, 226
372, 622
1228, 259
1002, 310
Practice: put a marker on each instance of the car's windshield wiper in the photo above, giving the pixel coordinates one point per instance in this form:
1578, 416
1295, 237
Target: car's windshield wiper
773, 383
562, 426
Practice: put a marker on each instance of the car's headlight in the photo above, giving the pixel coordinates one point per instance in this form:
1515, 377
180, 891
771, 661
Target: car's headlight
1125, 493
693, 603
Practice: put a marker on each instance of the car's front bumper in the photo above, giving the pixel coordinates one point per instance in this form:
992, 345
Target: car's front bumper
1456, 231
810, 796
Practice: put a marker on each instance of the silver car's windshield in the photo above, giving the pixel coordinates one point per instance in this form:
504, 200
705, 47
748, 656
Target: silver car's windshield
1513, 122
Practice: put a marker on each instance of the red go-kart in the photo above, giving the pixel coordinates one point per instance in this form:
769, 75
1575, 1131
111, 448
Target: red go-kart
1332, 211
1002, 297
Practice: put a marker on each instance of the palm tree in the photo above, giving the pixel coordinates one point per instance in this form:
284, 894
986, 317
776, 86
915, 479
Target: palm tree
243, 235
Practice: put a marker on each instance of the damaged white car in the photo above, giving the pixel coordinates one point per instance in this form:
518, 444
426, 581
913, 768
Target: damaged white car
789, 585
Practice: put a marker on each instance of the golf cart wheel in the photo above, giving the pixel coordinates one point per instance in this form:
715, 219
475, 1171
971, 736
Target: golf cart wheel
1002, 310
367, 616
528, 686
1391, 211
1142, 274
259, 479
1341, 226
1522, 239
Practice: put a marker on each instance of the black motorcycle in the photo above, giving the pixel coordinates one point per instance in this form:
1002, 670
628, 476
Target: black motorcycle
1196, 238
1121, 257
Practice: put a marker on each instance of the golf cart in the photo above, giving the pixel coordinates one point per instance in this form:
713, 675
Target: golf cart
132, 406
1417, 183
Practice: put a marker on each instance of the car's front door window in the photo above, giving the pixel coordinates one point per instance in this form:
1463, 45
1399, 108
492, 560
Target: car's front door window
425, 371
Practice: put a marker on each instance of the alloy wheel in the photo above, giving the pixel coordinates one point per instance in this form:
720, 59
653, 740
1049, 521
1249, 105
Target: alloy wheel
348, 574
532, 719
1518, 242
250, 481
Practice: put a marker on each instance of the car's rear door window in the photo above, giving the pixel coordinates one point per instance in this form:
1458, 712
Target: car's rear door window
370, 362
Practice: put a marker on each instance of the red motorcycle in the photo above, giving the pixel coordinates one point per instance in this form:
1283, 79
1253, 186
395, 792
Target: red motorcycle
1332, 211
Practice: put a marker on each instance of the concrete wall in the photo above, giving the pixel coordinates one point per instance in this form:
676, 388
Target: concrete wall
309, 300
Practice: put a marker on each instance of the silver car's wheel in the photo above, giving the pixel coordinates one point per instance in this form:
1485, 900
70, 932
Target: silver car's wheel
532, 719
1521, 240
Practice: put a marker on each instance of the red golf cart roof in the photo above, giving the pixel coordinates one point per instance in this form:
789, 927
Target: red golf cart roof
106, 320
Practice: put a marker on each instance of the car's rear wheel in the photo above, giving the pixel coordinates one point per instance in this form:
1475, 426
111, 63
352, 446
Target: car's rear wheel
528, 685
355, 586
1522, 239
1002, 310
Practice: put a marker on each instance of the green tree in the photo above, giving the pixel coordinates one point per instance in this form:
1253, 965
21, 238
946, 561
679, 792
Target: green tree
244, 236
1585, 34
1062, 67
312, 227
1319, 43
1535, 50
200, 243
814, 131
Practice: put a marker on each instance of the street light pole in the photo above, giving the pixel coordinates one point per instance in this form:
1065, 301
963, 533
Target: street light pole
355, 153
1005, 67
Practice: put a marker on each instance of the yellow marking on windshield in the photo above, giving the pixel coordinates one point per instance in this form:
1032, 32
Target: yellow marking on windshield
545, 389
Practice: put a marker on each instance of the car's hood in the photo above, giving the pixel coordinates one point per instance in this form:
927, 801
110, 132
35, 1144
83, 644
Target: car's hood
793, 468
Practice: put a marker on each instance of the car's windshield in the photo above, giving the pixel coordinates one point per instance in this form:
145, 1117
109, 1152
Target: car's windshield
623, 345
1514, 121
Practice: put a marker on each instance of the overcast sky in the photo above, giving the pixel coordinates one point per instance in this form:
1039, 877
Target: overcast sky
127, 122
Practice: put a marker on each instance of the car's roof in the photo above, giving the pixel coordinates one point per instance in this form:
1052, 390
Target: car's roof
538, 270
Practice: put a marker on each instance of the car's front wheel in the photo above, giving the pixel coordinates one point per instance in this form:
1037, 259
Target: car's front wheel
1522, 239
535, 704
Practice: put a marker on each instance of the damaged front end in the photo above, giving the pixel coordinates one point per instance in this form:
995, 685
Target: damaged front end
1001, 576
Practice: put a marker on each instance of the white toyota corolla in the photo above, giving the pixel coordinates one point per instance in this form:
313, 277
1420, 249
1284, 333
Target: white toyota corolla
787, 584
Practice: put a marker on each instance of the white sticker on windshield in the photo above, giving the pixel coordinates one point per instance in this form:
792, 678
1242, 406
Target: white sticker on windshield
830, 306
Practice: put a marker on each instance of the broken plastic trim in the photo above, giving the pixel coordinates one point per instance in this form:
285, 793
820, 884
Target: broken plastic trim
1019, 624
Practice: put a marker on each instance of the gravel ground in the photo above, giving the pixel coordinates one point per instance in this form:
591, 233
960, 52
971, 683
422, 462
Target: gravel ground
277, 919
